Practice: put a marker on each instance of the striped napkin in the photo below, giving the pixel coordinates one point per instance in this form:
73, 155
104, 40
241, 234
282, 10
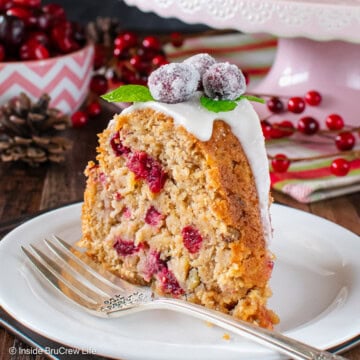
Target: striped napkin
305, 181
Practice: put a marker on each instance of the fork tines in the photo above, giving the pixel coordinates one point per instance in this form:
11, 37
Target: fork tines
76, 275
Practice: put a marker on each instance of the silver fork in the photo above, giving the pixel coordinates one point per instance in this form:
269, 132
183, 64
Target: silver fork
105, 295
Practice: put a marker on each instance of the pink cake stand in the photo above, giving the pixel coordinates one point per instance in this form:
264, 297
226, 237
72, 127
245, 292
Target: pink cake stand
318, 46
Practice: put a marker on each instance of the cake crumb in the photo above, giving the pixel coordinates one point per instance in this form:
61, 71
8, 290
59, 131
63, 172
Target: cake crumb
209, 324
226, 336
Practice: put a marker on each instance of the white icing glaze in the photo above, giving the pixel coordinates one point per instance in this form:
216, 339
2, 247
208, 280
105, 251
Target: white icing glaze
245, 125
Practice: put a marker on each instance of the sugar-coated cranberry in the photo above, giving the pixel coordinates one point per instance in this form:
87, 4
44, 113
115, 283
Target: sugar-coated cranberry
173, 83
12, 31
79, 119
117, 145
223, 81
147, 168
176, 39
153, 217
308, 125
151, 42
345, 141
125, 247
275, 105
192, 239
340, 167
280, 163
169, 283
201, 62
334, 122
313, 98
99, 84
296, 105
93, 109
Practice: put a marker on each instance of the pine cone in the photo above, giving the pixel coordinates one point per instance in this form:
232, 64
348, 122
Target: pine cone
103, 31
27, 131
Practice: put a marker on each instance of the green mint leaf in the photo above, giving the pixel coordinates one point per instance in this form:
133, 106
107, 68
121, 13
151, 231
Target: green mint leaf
251, 98
129, 93
217, 105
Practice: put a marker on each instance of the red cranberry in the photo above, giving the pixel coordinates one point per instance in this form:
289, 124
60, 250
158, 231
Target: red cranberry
44, 21
281, 129
93, 109
169, 283
287, 127
153, 217
151, 42
125, 247
150, 265
308, 125
40, 37
159, 60
117, 146
56, 12
296, 105
146, 168
191, 238
79, 119
126, 40
99, 84
12, 31
2, 53
137, 62
334, 122
340, 167
280, 163
40, 52
313, 98
27, 3
21, 13
345, 141
266, 129
99, 57
275, 105
176, 39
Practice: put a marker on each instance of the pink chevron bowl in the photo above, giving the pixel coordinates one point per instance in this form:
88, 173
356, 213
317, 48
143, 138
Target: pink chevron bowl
65, 78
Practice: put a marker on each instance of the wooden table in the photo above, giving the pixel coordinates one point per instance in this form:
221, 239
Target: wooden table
25, 191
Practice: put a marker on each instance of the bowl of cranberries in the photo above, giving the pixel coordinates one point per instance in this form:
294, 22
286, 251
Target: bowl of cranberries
41, 51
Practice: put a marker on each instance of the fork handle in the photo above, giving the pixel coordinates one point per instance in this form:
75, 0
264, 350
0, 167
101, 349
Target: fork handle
272, 339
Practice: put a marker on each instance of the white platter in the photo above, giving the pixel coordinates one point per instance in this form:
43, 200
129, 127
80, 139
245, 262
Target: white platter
316, 285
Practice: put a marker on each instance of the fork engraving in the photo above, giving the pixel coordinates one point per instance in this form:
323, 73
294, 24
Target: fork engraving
119, 302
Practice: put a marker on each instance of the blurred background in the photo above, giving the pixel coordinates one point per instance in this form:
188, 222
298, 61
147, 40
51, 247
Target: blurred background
131, 18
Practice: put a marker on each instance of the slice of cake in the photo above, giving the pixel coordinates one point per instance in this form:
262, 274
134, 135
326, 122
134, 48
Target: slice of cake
179, 199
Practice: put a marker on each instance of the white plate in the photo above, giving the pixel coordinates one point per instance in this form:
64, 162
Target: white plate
316, 285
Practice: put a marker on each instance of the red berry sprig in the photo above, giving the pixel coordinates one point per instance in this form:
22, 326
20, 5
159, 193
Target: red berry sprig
336, 130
